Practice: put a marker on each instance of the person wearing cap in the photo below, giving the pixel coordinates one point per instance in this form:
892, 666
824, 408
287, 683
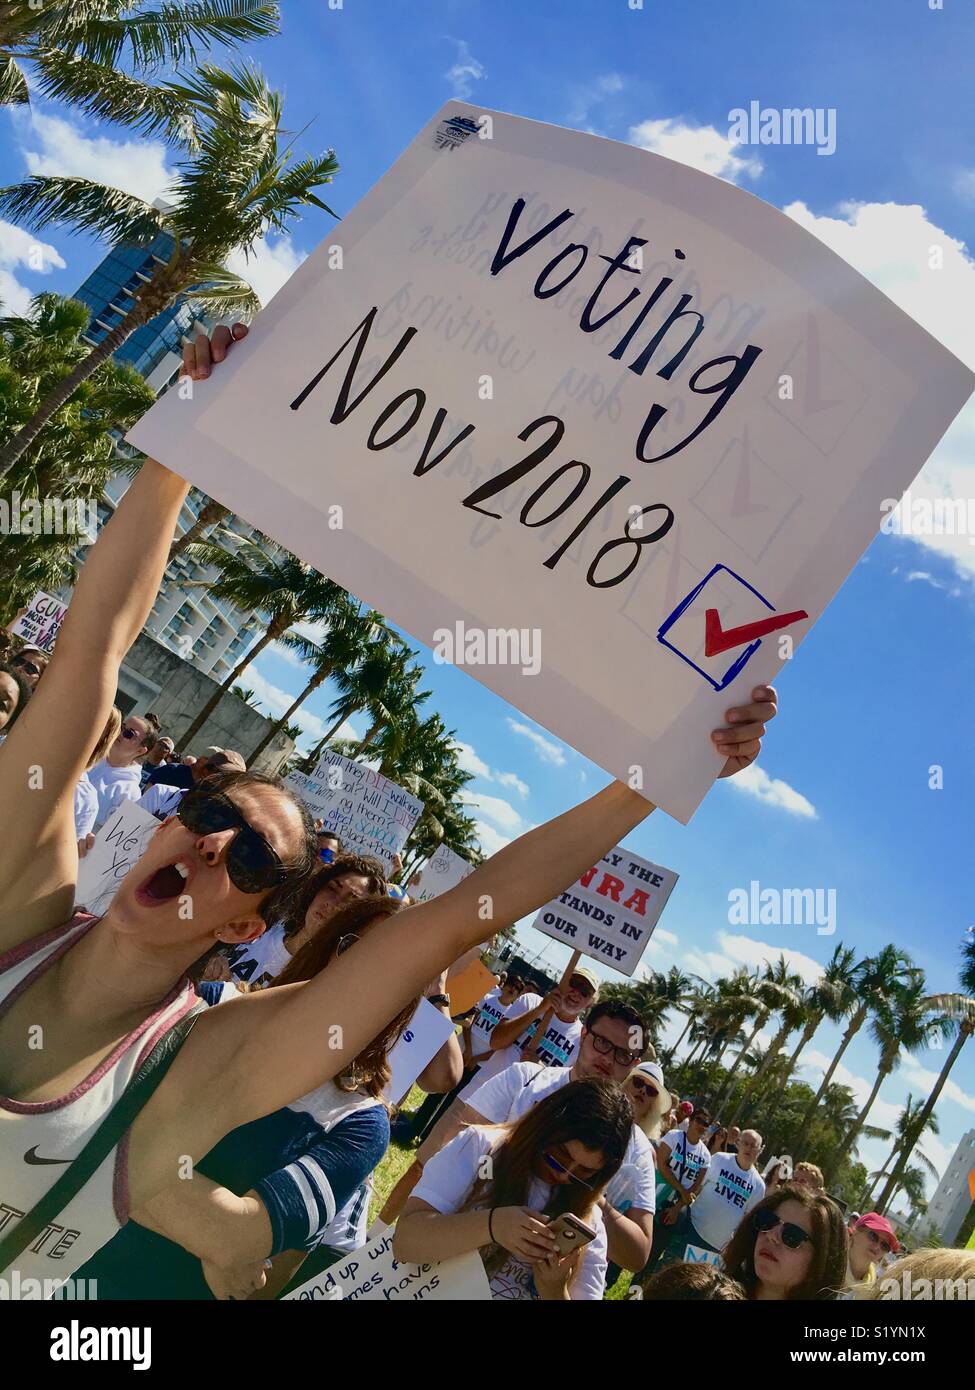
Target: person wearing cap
872, 1238
162, 796
161, 751
612, 1041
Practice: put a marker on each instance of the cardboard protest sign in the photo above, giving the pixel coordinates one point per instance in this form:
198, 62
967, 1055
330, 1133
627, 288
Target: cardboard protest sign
422, 1039
370, 813
118, 844
373, 1274
40, 625
469, 986
444, 871
609, 431
610, 912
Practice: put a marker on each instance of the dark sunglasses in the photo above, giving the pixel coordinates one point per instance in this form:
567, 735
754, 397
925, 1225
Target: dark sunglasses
345, 942
643, 1088
623, 1055
581, 986
252, 863
553, 1162
793, 1236
129, 733
29, 667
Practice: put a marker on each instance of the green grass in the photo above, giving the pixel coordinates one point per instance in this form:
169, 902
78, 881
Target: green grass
395, 1164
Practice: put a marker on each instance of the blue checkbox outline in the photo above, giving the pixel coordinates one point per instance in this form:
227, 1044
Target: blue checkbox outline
746, 655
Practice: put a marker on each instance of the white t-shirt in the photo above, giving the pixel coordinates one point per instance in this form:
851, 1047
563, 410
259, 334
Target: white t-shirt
85, 807
257, 962
112, 786
514, 1091
557, 1049
446, 1183
693, 1157
161, 800
489, 1014
728, 1192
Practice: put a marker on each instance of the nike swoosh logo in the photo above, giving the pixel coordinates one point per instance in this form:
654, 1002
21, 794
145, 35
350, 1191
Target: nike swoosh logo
31, 1157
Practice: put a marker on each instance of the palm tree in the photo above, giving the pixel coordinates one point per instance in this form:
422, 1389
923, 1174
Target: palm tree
735, 1000
874, 981
957, 1010
907, 1133
226, 196
793, 1009
279, 586
901, 1020
375, 684
832, 996
773, 989
348, 631
211, 515
76, 51
244, 692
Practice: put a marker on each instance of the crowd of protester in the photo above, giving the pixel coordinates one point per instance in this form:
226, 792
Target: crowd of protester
553, 1146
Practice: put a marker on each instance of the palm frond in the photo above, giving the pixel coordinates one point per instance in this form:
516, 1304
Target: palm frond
111, 95
83, 206
13, 84
166, 34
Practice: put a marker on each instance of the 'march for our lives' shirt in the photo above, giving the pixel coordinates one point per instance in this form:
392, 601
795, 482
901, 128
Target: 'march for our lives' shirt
558, 1047
728, 1192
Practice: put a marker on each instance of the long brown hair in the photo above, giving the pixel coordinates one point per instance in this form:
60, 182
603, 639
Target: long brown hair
370, 1071
827, 1268
596, 1113
363, 865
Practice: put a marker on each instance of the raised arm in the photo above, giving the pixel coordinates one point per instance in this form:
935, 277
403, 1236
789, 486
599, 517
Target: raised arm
49, 746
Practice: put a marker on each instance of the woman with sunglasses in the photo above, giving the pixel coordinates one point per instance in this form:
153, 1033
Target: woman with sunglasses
117, 777
274, 1189
103, 992
793, 1246
556, 1159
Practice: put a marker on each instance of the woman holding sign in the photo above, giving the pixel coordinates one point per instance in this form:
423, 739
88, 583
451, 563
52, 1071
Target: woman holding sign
84, 1002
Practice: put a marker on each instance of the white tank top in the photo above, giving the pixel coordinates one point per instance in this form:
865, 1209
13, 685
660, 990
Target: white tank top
36, 1137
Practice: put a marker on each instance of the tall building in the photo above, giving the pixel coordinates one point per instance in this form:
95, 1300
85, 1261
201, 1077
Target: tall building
953, 1199
210, 634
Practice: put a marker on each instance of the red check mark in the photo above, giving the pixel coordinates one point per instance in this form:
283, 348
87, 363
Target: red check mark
716, 641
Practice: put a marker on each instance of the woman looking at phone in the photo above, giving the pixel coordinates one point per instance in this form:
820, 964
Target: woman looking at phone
547, 1171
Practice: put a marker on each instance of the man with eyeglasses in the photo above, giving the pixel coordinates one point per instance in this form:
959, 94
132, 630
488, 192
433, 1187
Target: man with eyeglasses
614, 1038
730, 1187
118, 776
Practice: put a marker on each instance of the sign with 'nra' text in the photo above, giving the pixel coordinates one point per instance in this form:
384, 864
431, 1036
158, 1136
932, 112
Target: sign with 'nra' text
621, 425
610, 912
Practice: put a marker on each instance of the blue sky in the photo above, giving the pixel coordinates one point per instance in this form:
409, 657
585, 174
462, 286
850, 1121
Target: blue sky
881, 690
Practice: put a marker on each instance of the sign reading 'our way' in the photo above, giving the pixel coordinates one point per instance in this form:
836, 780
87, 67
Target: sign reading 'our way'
557, 392
610, 912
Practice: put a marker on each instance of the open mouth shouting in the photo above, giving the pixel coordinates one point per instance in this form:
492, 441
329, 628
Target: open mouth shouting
164, 885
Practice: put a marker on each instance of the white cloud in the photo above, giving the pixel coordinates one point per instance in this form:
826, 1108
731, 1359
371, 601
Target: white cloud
702, 147
275, 701
922, 1081
498, 811
269, 265
464, 72
745, 950
490, 840
755, 781
471, 762
546, 748
594, 93
52, 145
965, 185
19, 248
891, 244
708, 964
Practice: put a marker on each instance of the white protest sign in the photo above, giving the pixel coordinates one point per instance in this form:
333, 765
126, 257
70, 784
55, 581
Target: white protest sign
40, 625
610, 912
444, 871
118, 845
373, 1274
424, 1036
610, 428
370, 814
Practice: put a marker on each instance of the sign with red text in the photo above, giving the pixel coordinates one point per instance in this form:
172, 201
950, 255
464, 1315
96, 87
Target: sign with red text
369, 813
605, 431
40, 624
610, 912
